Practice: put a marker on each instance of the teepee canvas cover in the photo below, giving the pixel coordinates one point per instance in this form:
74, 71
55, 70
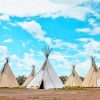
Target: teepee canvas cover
30, 77
0, 74
73, 79
7, 78
46, 78
93, 77
98, 78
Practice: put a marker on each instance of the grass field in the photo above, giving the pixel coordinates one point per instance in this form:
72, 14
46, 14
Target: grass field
69, 94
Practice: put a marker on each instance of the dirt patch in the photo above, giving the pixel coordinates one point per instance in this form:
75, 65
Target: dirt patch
21, 94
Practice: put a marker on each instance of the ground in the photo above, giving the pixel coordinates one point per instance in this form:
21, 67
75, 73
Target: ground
22, 94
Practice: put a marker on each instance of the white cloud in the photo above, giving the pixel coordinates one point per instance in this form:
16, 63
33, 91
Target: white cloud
97, 0
59, 59
19, 63
85, 39
24, 44
84, 66
8, 41
23, 64
61, 43
31, 27
3, 48
85, 30
3, 52
45, 8
35, 30
14, 57
63, 63
93, 30
5, 28
90, 47
92, 22
12, 24
60, 62
74, 2
4, 17
26, 61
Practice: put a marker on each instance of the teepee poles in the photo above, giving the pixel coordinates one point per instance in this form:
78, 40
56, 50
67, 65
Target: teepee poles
33, 70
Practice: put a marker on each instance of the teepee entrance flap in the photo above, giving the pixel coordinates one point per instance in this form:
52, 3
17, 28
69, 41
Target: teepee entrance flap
42, 85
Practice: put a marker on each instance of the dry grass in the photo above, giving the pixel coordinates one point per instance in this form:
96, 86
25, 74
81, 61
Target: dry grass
62, 94
6, 98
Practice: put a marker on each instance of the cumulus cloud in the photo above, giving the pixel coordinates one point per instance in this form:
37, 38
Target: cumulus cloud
85, 30
93, 30
77, 9
90, 47
4, 17
5, 28
85, 65
82, 66
25, 62
8, 40
12, 24
72, 2
61, 58
3, 48
19, 63
35, 30
45, 8
24, 44
3, 52
60, 43
85, 39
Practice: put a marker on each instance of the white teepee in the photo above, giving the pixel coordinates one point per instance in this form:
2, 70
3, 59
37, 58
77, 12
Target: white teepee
93, 77
7, 78
46, 78
74, 79
30, 77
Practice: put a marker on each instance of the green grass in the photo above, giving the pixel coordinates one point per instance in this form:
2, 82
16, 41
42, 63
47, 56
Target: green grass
35, 98
74, 88
55, 98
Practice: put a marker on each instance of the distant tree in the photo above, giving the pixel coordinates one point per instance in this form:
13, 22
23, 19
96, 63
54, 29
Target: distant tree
63, 78
21, 79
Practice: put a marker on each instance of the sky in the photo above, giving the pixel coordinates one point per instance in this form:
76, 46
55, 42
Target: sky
70, 27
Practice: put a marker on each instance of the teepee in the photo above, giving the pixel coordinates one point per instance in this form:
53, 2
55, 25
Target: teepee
74, 79
30, 77
46, 78
7, 78
0, 74
93, 76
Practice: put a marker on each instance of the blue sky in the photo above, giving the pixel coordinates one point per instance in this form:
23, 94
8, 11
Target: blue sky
70, 27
